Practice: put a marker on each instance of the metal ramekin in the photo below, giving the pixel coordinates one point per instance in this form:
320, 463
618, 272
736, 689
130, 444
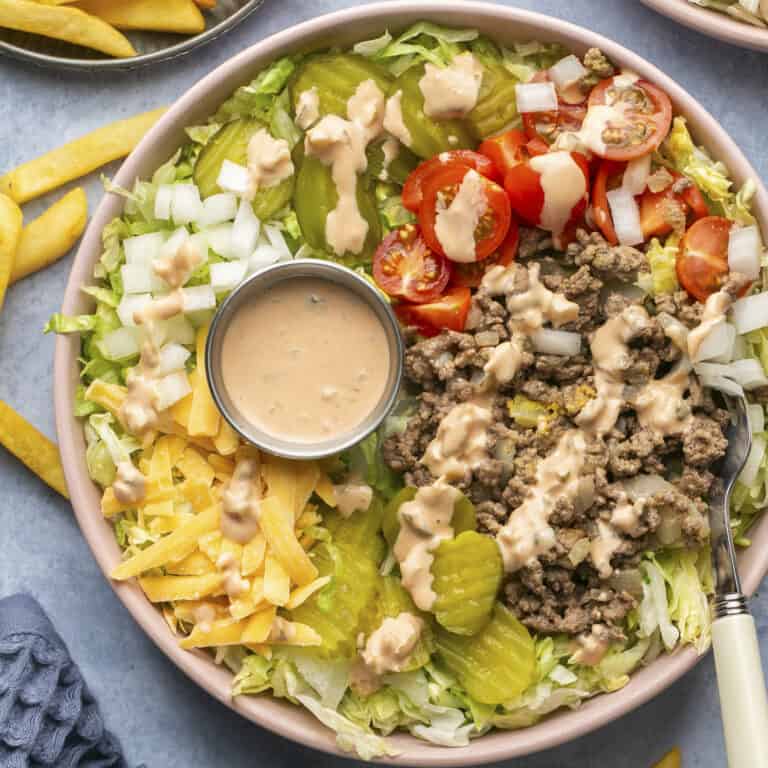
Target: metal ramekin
261, 282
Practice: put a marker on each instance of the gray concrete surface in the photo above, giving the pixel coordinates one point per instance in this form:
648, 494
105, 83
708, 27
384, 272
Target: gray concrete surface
163, 719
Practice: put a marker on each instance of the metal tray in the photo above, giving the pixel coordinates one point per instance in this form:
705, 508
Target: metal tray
152, 47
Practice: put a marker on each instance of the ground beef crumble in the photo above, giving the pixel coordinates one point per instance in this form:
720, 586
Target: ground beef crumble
558, 593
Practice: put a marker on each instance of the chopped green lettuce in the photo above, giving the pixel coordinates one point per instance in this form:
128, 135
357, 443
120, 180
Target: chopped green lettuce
662, 259
59, 323
710, 176
524, 60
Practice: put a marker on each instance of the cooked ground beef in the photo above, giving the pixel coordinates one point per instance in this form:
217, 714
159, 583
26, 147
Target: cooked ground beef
559, 592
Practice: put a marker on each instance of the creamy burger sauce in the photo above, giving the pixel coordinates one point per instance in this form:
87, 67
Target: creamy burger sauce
306, 362
715, 309
455, 224
451, 91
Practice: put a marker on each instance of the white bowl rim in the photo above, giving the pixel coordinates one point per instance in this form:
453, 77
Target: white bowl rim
275, 715
712, 23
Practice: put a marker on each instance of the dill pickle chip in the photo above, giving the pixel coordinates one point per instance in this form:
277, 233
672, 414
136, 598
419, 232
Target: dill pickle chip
495, 665
359, 532
464, 518
231, 143
337, 611
467, 575
496, 107
336, 77
399, 167
429, 137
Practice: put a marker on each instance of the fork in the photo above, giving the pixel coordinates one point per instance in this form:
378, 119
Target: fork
743, 701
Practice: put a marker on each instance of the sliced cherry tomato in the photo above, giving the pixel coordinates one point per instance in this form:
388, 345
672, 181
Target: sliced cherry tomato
537, 147
505, 150
449, 311
547, 126
642, 114
405, 267
535, 207
471, 275
608, 176
413, 189
658, 208
702, 261
440, 190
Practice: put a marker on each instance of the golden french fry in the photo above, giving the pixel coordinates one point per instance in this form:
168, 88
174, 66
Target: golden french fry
208, 4
196, 564
204, 417
11, 221
181, 16
32, 448
163, 589
78, 157
282, 542
671, 760
259, 626
62, 23
220, 632
51, 235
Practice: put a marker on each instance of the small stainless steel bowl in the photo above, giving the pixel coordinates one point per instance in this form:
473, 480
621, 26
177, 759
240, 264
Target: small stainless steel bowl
259, 283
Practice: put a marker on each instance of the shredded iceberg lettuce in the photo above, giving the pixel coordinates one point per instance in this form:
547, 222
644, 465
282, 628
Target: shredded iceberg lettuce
662, 259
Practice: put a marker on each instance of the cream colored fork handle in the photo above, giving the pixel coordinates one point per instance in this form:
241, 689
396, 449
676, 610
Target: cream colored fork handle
743, 700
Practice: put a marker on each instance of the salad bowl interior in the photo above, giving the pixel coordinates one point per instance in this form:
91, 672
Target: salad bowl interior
711, 23
506, 25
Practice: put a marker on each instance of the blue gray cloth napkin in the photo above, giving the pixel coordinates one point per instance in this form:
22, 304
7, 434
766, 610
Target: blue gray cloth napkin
48, 717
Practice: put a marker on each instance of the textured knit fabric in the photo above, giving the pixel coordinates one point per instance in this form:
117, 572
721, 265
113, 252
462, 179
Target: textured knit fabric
47, 715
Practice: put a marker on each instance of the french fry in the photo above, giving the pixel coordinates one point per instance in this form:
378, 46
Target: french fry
250, 603
277, 583
227, 441
302, 594
670, 760
283, 543
259, 626
173, 547
62, 23
163, 589
293, 633
196, 564
51, 235
109, 396
253, 554
324, 489
181, 16
204, 417
208, 4
221, 632
78, 157
11, 220
193, 466
32, 448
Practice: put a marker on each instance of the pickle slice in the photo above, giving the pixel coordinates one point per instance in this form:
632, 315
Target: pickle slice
231, 143
399, 168
496, 107
467, 575
495, 665
336, 77
358, 533
464, 518
429, 137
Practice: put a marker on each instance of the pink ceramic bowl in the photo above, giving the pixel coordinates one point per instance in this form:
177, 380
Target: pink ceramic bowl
343, 28
712, 23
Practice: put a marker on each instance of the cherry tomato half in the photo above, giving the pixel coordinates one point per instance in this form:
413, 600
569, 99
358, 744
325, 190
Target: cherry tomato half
449, 311
505, 150
702, 261
413, 189
608, 177
642, 116
471, 275
405, 267
440, 190
658, 208
547, 126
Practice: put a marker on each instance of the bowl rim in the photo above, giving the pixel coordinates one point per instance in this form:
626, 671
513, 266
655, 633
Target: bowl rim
174, 51
275, 715
712, 23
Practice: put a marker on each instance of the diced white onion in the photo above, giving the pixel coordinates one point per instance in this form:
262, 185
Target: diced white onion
744, 251
553, 342
756, 415
751, 312
173, 243
635, 178
225, 275
199, 242
142, 249
172, 357
198, 297
172, 388
218, 209
163, 202
176, 330
245, 231
263, 256
642, 486
137, 278
220, 240
566, 72
277, 241
131, 304
234, 178
749, 373
626, 216
718, 344
120, 344
186, 206
536, 97
720, 383
754, 461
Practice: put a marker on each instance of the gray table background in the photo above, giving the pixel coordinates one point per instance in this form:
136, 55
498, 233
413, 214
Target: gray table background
162, 718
